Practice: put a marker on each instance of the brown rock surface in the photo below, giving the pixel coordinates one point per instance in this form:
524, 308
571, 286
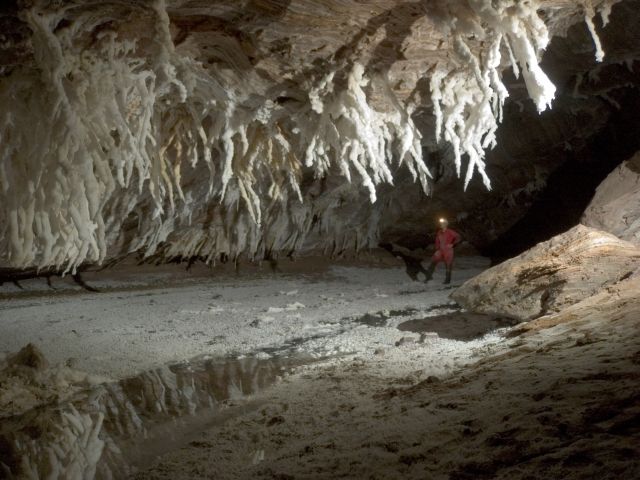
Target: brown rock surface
29, 356
615, 207
551, 276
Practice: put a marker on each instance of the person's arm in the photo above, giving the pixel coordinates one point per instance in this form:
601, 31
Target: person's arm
456, 238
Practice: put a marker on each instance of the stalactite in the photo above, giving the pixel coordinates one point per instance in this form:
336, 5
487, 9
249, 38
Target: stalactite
123, 128
468, 94
110, 146
603, 7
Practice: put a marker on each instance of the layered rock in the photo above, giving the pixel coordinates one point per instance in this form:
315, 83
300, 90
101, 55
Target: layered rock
615, 208
551, 276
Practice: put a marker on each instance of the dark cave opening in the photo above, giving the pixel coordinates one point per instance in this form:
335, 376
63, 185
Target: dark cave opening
572, 185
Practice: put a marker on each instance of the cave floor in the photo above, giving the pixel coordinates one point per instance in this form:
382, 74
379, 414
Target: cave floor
148, 316
558, 398
401, 385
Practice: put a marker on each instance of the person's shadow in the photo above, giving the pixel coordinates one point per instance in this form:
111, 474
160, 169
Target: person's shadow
464, 326
413, 264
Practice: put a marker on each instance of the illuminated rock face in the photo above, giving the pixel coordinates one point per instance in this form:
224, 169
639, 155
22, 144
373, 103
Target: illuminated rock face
184, 129
616, 205
551, 276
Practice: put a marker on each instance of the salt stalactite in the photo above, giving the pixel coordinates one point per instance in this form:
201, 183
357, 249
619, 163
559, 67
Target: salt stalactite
342, 136
604, 9
115, 129
110, 146
95, 132
468, 94
348, 129
124, 129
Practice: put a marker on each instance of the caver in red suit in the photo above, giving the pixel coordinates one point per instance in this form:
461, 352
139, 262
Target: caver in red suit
446, 239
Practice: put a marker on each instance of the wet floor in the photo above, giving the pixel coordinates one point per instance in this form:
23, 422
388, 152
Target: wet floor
109, 430
137, 418
143, 416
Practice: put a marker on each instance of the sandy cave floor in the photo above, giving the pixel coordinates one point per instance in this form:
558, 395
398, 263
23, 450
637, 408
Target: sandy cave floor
445, 395
560, 400
147, 316
156, 315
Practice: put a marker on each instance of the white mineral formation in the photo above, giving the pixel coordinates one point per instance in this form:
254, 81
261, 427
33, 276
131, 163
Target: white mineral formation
468, 100
130, 127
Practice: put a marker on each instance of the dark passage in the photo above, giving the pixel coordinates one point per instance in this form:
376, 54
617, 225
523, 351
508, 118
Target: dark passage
571, 187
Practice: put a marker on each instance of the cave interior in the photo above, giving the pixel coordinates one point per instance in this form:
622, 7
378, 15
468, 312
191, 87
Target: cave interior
309, 239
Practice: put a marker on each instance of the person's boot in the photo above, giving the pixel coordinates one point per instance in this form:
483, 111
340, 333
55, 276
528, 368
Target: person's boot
429, 272
447, 278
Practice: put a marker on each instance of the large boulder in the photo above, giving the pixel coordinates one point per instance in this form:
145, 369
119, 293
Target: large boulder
552, 275
615, 207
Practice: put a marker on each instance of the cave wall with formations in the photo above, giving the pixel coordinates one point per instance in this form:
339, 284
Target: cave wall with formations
550, 162
185, 128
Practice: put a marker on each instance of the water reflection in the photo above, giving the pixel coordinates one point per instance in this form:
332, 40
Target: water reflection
107, 430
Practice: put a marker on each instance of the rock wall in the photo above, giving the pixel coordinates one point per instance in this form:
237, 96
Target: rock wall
615, 207
551, 276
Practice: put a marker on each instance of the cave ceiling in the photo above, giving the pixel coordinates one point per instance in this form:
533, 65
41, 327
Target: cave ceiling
261, 128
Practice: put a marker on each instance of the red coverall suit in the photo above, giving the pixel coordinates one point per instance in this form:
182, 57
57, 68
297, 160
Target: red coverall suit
445, 241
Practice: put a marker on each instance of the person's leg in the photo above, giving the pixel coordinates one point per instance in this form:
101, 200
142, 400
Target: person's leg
447, 278
448, 261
